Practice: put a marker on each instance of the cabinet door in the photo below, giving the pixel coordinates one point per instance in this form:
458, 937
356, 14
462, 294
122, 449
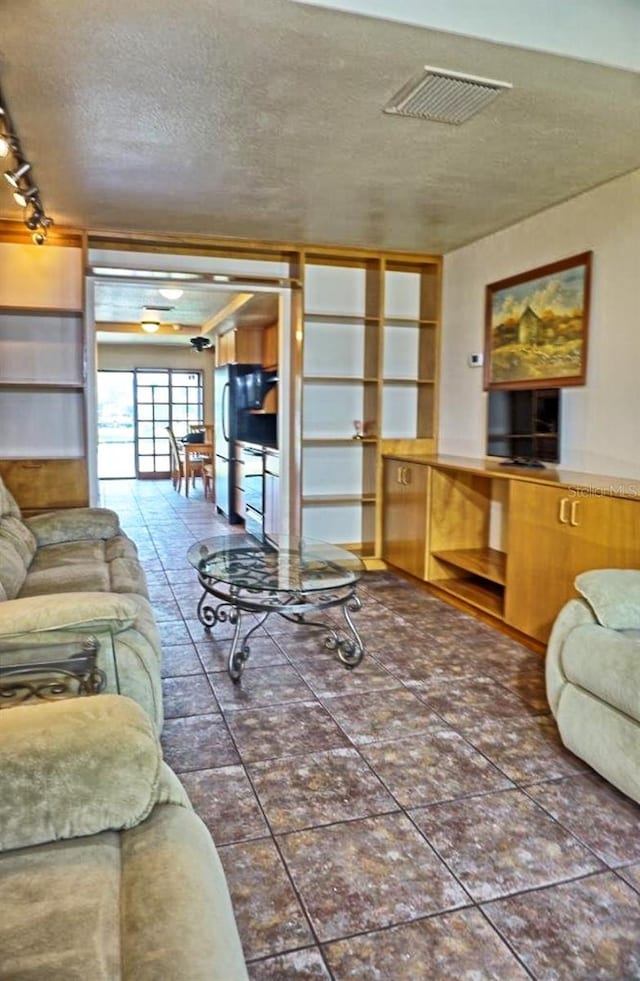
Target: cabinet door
248, 345
405, 516
40, 485
270, 346
554, 534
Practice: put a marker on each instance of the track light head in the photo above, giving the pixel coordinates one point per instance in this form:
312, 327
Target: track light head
14, 176
22, 197
200, 343
7, 144
39, 238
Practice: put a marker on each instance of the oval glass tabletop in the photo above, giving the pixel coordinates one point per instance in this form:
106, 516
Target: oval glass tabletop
279, 564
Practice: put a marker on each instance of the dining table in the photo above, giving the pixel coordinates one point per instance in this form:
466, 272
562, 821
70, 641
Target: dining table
191, 451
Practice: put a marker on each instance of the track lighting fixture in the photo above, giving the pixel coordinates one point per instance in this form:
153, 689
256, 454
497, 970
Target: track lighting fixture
25, 194
13, 176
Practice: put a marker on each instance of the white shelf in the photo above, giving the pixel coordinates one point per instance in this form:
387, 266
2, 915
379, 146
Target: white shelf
334, 289
42, 424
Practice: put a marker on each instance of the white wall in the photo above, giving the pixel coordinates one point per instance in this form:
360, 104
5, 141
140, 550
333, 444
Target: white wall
600, 430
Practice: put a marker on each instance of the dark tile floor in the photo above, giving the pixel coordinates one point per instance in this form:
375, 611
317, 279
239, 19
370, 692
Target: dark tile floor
414, 819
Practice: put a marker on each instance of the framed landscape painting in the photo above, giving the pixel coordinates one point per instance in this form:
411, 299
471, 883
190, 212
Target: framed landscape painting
537, 326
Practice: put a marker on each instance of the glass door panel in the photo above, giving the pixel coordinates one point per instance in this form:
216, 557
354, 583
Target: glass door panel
116, 425
163, 397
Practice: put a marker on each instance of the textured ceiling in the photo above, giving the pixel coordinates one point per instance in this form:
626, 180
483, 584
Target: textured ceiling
118, 309
264, 120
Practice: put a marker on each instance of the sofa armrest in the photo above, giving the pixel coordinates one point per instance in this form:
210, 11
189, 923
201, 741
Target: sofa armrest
77, 767
573, 614
74, 525
613, 595
92, 612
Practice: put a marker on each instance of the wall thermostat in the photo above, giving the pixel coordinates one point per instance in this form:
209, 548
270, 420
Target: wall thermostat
476, 360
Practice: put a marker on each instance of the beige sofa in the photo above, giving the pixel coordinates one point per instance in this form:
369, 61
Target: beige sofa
70, 573
106, 873
593, 675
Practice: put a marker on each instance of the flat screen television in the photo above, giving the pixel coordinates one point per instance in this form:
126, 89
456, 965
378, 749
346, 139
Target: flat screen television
523, 426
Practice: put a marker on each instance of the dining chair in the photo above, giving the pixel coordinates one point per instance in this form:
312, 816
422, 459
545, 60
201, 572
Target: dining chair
176, 460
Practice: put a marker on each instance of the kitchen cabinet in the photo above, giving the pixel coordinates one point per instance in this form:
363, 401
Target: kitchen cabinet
405, 515
241, 345
270, 347
554, 534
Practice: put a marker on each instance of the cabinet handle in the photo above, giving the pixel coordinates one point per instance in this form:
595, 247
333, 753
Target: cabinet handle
399, 475
562, 512
407, 476
573, 518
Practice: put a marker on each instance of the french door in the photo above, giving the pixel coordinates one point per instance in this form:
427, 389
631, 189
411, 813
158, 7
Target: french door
163, 397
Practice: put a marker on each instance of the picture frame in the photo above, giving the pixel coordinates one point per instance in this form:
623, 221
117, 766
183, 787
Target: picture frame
537, 326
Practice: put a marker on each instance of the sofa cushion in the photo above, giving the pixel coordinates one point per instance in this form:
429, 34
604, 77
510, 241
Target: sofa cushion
76, 767
110, 566
614, 596
72, 566
90, 611
605, 663
73, 525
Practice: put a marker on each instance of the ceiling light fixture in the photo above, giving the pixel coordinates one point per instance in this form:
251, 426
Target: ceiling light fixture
26, 195
150, 326
171, 294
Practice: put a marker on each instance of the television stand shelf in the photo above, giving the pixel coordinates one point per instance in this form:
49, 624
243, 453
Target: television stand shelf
554, 524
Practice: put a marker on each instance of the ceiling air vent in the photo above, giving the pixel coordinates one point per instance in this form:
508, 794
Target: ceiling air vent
444, 96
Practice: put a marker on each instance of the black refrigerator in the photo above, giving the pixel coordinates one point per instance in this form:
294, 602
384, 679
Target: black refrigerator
231, 423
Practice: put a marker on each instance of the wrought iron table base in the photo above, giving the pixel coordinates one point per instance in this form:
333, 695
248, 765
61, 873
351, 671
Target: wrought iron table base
233, 601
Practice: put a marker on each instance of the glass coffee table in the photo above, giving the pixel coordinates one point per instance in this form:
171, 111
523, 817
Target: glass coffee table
294, 578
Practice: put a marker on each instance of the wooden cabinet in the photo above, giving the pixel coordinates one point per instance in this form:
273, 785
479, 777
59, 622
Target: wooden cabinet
242, 345
461, 560
270, 347
507, 543
554, 534
42, 484
405, 515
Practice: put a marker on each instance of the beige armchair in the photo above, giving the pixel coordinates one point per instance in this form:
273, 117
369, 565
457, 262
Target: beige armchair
593, 675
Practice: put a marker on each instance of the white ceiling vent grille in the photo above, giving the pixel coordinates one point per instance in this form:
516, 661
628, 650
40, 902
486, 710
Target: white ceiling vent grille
444, 96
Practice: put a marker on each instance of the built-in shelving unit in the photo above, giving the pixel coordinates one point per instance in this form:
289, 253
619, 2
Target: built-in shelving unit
370, 354
43, 383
